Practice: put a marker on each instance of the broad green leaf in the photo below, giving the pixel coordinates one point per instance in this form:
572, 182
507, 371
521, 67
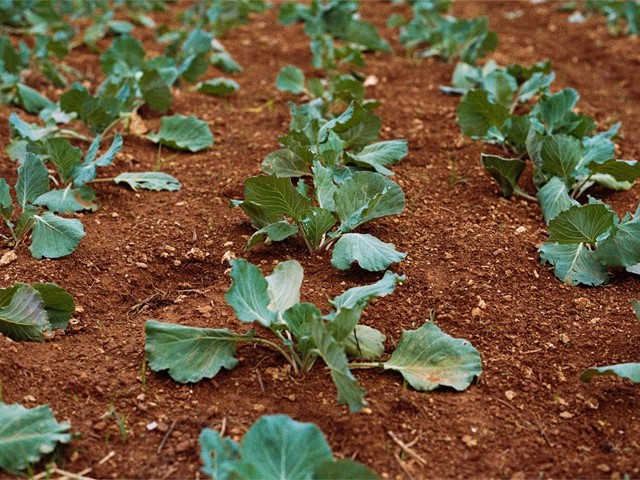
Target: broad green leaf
350, 304
27, 130
363, 133
476, 114
32, 100
615, 174
367, 196
64, 156
324, 186
579, 224
218, 86
560, 155
55, 237
341, 469
380, 155
126, 54
183, 133
364, 342
96, 112
505, 171
332, 352
622, 247
553, 109
315, 224
629, 371
25, 221
218, 454
274, 232
28, 434
86, 172
278, 447
155, 91
24, 318
285, 163
284, 286
370, 253
6, 203
68, 200
554, 198
299, 319
33, 179
156, 181
190, 354
58, 303
428, 358
291, 79
224, 62
276, 196
248, 294
501, 86
574, 263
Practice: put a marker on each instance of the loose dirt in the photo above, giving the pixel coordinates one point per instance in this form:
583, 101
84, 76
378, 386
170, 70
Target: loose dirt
471, 259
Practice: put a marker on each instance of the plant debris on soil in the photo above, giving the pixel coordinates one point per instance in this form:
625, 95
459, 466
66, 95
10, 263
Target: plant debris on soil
472, 259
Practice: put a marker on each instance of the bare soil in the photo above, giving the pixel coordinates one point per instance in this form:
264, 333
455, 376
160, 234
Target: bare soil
158, 256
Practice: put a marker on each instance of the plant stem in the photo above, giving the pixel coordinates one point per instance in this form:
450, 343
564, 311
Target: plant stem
576, 191
66, 133
278, 348
524, 194
102, 180
366, 365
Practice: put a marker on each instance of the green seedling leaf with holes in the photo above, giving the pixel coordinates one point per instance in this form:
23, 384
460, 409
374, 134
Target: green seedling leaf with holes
428, 358
26, 435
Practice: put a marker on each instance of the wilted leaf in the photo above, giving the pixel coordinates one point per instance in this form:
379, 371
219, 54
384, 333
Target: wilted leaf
183, 133
149, 181
630, 371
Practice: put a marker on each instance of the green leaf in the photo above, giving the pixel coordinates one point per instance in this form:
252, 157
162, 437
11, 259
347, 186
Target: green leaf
219, 455
58, 303
248, 294
350, 304
299, 319
278, 447
428, 358
6, 203
284, 286
501, 86
125, 54
316, 223
183, 133
155, 91
366, 196
156, 181
341, 469
554, 198
64, 156
581, 224
622, 247
629, 371
190, 354
560, 155
32, 100
291, 79
26, 130
24, 318
505, 171
55, 237
33, 179
218, 86
636, 308
615, 174
86, 172
28, 434
380, 155
274, 232
276, 196
370, 253
574, 263
333, 353
324, 186
364, 342
285, 163
476, 114
68, 200
554, 109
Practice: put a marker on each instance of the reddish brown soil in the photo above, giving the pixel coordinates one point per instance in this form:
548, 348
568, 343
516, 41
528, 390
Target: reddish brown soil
535, 334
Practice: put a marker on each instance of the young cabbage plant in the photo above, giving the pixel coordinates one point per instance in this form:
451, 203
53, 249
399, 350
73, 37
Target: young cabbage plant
348, 188
31, 312
426, 357
271, 449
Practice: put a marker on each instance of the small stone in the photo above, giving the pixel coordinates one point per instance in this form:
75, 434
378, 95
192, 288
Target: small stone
476, 313
258, 407
371, 81
564, 338
566, 415
510, 394
100, 426
521, 229
448, 256
603, 467
469, 441
152, 426
162, 427
169, 248
142, 265
8, 257
183, 446
29, 398
114, 214
177, 263
582, 303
